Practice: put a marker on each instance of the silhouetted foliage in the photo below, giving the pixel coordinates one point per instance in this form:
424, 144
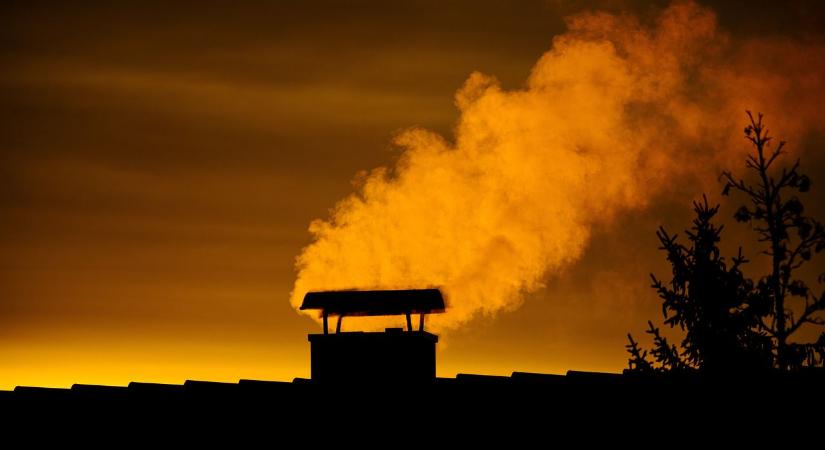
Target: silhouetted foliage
709, 300
730, 322
792, 239
638, 357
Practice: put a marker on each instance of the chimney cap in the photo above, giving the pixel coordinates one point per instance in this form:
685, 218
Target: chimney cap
375, 302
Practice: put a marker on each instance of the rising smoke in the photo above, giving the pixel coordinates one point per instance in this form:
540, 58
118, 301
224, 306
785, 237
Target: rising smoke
614, 114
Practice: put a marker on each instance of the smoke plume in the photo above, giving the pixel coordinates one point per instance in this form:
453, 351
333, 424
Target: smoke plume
615, 114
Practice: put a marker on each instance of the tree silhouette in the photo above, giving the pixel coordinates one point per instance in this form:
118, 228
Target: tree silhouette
729, 322
792, 238
711, 301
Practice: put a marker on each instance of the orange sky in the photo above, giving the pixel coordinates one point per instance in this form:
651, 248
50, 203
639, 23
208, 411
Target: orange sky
160, 168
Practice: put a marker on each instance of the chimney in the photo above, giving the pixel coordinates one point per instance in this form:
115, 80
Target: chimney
394, 356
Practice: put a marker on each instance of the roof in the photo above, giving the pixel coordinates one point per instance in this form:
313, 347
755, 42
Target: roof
375, 303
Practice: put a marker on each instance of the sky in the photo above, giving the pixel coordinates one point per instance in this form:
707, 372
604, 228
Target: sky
173, 178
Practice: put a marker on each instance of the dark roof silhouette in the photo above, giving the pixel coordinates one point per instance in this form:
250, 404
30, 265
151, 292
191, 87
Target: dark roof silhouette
375, 303
466, 406
573, 382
